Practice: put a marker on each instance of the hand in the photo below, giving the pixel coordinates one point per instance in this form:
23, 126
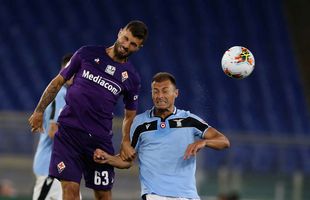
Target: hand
101, 156
128, 153
193, 148
36, 122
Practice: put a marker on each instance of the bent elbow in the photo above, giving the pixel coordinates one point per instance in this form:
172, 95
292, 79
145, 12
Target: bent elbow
227, 144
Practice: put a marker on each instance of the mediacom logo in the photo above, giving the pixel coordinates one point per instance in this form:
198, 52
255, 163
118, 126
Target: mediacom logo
106, 83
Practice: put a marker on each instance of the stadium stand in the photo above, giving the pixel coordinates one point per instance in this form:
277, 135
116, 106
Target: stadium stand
188, 39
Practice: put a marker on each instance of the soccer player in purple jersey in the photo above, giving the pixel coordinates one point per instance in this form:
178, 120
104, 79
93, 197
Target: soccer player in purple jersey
101, 76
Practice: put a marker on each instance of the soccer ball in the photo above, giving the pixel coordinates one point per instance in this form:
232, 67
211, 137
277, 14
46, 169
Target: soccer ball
238, 62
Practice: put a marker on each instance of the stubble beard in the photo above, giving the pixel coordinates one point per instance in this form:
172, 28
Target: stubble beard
117, 54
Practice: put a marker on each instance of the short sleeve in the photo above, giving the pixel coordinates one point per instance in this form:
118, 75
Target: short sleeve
200, 125
72, 66
131, 95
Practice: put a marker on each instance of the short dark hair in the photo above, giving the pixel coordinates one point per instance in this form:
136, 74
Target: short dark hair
164, 76
138, 29
65, 59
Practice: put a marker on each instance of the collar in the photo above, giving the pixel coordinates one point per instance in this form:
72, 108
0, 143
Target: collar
151, 114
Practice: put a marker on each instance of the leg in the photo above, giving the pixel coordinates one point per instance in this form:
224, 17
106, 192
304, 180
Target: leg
100, 178
103, 195
38, 187
70, 190
66, 162
47, 188
55, 192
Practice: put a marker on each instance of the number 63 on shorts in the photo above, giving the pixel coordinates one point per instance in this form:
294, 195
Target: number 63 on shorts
101, 178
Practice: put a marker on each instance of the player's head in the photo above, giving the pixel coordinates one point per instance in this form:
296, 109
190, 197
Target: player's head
164, 91
130, 39
64, 61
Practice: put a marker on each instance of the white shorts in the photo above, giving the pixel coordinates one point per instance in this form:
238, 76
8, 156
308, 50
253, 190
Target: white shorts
157, 197
47, 188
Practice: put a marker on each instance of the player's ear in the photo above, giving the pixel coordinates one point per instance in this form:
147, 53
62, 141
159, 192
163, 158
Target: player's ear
120, 32
176, 93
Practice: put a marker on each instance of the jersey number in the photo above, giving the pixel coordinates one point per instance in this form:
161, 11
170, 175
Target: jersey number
101, 178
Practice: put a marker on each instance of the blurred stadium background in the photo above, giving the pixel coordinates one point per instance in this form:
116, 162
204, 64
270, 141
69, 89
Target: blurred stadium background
266, 116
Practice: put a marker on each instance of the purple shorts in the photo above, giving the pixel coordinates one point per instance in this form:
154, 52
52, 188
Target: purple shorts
72, 157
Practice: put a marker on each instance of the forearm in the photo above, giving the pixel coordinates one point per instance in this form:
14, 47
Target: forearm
125, 131
215, 139
128, 119
50, 93
217, 143
117, 162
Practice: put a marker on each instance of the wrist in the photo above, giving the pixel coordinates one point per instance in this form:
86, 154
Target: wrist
125, 141
205, 143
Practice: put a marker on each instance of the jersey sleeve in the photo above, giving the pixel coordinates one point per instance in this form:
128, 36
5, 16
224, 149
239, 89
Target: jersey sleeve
72, 66
131, 95
200, 125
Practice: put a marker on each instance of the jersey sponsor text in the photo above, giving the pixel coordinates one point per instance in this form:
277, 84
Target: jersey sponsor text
106, 83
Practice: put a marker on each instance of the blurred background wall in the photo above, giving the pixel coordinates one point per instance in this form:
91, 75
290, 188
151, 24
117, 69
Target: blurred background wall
266, 116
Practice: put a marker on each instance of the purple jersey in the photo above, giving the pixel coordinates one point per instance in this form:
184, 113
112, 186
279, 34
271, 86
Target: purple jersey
98, 83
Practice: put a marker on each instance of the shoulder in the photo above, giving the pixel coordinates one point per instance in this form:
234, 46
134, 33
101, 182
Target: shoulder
183, 113
143, 116
188, 114
90, 49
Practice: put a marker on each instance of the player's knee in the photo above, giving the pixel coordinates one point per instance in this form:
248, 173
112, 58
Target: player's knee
71, 190
103, 195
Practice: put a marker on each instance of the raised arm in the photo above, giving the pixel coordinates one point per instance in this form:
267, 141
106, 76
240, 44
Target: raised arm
36, 119
215, 139
127, 151
212, 138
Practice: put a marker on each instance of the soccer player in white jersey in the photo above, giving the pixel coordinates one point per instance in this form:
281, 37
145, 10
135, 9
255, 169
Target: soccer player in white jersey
167, 140
47, 187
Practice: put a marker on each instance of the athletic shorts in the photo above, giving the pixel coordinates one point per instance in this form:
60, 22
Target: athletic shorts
72, 157
47, 188
158, 197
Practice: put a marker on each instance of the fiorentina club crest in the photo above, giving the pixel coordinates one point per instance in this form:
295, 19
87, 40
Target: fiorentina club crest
124, 76
61, 166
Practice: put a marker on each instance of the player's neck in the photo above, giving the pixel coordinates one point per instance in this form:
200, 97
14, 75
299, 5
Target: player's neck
111, 54
162, 113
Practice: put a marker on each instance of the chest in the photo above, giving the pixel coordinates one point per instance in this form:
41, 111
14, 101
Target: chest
164, 135
104, 74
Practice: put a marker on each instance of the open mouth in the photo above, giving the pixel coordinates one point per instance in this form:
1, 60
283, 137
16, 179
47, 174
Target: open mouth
161, 103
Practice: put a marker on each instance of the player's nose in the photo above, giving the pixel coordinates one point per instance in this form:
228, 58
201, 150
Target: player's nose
126, 45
